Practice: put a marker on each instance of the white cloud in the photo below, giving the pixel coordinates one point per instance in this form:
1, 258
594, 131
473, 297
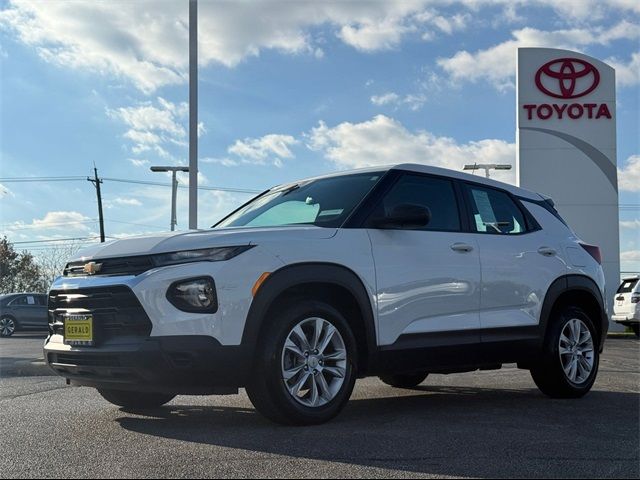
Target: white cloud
630, 256
627, 73
383, 140
127, 39
385, 99
146, 41
629, 175
136, 162
630, 224
497, 64
153, 127
54, 222
127, 202
413, 101
272, 148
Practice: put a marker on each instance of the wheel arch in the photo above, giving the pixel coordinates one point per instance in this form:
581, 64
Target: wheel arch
333, 283
578, 290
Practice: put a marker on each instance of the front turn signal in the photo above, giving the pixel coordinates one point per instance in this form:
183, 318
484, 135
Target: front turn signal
259, 282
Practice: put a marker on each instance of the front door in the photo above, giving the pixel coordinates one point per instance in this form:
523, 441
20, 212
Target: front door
427, 278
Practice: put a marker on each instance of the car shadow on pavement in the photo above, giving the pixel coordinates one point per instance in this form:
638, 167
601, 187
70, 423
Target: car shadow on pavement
458, 431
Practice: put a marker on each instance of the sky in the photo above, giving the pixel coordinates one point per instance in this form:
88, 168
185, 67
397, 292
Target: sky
287, 90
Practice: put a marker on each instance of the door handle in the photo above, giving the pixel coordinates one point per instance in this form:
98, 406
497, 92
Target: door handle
461, 247
547, 251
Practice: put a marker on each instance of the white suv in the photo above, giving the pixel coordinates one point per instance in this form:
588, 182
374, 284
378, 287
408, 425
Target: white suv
626, 309
394, 272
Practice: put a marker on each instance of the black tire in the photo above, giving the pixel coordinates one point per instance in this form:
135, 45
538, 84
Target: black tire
404, 380
266, 388
135, 400
636, 329
12, 326
549, 374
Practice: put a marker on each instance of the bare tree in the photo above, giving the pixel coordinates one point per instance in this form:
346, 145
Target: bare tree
53, 260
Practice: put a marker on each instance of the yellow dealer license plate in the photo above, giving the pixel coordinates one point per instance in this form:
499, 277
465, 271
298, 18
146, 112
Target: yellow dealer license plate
78, 329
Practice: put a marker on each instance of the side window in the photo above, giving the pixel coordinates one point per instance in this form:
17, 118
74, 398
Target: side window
31, 300
19, 301
437, 194
494, 212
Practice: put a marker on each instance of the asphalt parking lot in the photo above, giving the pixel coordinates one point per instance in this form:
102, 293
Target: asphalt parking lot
482, 424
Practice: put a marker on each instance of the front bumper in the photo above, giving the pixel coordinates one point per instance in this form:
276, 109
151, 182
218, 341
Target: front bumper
191, 365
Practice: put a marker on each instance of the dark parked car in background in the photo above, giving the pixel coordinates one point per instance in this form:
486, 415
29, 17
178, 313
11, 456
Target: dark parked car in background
22, 311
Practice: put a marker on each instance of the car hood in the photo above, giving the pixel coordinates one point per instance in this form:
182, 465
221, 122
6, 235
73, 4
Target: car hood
194, 239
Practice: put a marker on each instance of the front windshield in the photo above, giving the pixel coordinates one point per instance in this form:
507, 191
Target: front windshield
325, 202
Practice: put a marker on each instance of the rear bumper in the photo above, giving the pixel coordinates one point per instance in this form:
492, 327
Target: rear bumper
196, 365
629, 319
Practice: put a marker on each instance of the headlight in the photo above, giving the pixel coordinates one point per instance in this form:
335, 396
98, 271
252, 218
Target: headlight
218, 254
196, 295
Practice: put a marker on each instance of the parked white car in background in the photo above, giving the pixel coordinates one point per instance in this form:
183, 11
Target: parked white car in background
395, 271
626, 307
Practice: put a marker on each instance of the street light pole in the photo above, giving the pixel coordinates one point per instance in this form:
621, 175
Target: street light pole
193, 114
174, 195
174, 189
486, 167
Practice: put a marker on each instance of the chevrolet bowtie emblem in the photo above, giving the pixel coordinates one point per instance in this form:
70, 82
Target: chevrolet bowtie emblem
92, 268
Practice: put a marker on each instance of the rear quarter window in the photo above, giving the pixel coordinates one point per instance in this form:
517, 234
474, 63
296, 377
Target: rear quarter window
627, 286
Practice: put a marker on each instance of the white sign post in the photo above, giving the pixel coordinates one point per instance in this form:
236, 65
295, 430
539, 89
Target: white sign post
566, 139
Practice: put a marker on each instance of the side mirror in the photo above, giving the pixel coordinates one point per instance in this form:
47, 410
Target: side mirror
404, 216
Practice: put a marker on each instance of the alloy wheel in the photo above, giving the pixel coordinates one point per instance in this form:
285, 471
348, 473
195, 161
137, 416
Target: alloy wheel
576, 351
314, 362
7, 326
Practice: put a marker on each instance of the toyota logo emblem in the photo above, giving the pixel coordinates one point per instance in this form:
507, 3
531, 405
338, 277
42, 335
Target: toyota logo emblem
563, 78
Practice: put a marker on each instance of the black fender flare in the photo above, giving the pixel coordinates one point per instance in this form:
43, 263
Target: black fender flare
568, 283
309, 272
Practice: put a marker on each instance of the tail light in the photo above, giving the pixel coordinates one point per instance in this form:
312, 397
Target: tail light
635, 298
594, 251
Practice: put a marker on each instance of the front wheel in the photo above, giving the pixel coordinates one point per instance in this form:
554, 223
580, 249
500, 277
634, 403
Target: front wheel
135, 400
305, 368
404, 380
570, 360
8, 326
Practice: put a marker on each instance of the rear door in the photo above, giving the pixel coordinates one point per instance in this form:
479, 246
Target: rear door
427, 279
519, 261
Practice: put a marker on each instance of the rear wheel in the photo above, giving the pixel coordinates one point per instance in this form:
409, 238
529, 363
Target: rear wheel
404, 381
8, 326
636, 329
305, 367
135, 400
570, 360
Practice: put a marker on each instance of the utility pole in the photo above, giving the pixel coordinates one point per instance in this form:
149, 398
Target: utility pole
174, 189
96, 183
193, 114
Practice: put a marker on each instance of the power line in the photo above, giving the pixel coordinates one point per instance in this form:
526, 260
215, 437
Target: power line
13, 227
158, 184
55, 240
136, 224
40, 179
121, 180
